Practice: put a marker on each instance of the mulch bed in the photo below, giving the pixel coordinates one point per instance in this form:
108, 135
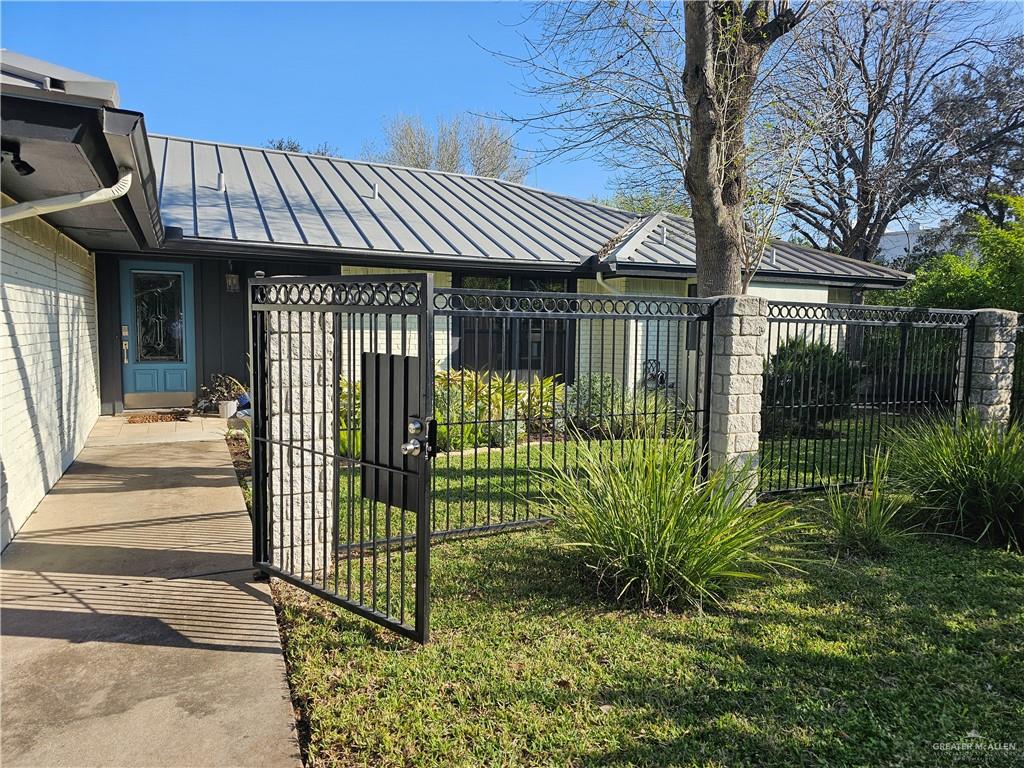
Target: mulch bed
239, 449
158, 416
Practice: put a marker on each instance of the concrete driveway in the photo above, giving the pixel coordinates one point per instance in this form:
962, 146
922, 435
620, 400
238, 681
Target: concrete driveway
132, 632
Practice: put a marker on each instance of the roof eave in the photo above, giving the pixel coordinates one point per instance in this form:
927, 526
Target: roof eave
851, 281
125, 133
107, 139
228, 249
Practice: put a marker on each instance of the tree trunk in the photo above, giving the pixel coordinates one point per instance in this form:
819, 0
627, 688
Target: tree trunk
718, 228
718, 92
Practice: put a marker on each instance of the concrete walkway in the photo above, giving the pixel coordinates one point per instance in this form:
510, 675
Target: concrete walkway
116, 430
132, 632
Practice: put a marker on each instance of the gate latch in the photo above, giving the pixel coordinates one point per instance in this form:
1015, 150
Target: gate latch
422, 437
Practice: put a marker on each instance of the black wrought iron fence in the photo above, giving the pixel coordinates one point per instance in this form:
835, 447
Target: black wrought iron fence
1017, 394
838, 377
341, 369
523, 379
387, 415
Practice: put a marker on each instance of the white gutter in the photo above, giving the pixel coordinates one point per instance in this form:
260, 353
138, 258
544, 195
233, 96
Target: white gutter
67, 202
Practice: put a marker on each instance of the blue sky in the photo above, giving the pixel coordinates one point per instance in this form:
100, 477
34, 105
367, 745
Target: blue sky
244, 73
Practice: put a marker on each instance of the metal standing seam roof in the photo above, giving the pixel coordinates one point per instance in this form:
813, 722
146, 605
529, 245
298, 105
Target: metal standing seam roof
230, 194
668, 240
25, 74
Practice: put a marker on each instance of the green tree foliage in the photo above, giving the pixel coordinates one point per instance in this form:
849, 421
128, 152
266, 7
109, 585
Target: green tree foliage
991, 275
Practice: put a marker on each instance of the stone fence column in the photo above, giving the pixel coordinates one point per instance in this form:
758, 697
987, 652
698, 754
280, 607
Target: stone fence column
991, 383
739, 347
302, 431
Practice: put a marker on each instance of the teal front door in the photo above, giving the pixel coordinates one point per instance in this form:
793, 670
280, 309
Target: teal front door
158, 334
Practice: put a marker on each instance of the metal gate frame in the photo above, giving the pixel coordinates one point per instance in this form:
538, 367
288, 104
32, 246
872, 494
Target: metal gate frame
343, 299
334, 306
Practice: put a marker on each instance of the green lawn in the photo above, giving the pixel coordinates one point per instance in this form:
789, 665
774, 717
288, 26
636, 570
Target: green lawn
850, 663
836, 455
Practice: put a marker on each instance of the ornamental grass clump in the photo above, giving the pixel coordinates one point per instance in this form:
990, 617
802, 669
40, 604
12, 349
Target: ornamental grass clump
967, 477
652, 531
868, 520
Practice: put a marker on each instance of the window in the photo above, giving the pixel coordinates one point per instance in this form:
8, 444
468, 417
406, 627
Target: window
510, 343
159, 322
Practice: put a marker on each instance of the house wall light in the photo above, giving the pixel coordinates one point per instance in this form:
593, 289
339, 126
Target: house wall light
232, 282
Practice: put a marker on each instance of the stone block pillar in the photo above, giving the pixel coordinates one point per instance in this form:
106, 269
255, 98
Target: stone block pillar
739, 346
991, 383
302, 433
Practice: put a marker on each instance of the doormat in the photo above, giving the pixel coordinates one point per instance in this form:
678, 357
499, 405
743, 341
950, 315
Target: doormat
152, 418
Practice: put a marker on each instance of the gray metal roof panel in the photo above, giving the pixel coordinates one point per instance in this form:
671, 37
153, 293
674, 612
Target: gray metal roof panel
680, 251
25, 74
293, 199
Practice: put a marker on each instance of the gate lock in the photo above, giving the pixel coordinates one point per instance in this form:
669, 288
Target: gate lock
421, 437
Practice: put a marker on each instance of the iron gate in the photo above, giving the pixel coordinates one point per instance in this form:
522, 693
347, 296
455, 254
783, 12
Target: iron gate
342, 373
352, 402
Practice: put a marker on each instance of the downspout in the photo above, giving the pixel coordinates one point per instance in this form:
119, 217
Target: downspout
600, 281
67, 202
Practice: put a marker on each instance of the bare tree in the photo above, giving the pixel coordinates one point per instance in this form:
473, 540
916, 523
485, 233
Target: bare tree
879, 67
457, 145
663, 92
289, 144
982, 109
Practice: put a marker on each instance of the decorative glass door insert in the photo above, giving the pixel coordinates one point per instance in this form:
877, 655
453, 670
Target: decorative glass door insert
159, 317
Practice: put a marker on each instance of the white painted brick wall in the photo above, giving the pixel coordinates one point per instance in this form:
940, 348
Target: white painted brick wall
49, 363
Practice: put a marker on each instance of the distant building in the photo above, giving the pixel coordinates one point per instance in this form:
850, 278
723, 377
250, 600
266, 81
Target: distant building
896, 244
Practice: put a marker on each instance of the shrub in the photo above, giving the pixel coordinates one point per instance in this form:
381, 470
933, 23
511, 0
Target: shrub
807, 383
868, 519
223, 388
592, 402
350, 437
540, 402
649, 413
651, 530
458, 408
476, 409
968, 477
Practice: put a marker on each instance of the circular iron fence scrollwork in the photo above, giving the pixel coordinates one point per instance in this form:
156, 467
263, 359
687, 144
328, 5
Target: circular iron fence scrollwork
399, 293
503, 302
781, 310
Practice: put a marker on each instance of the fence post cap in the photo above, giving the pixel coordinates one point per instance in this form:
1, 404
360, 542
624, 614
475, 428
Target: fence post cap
993, 316
740, 305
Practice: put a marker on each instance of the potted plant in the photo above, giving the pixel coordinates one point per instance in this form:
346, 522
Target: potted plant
222, 394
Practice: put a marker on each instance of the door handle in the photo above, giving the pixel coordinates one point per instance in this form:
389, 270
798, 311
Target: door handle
412, 448
124, 350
